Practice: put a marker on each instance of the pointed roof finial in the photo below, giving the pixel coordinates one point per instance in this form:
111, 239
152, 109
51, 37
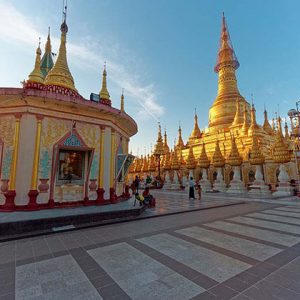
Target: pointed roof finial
36, 75
60, 74
104, 94
266, 126
122, 101
196, 133
218, 159
203, 161
47, 60
180, 143
238, 118
226, 55
245, 123
253, 126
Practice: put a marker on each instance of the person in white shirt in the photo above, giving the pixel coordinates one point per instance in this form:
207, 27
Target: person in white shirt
192, 188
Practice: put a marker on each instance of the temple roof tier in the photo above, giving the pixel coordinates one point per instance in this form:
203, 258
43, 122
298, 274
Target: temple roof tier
203, 161
218, 159
191, 162
234, 158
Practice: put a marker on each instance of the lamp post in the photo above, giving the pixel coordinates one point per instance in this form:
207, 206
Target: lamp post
295, 114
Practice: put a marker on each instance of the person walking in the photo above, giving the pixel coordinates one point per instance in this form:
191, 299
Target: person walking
192, 188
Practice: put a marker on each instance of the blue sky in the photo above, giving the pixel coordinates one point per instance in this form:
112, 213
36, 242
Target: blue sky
162, 52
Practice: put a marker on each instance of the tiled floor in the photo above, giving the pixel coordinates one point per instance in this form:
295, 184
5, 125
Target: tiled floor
233, 252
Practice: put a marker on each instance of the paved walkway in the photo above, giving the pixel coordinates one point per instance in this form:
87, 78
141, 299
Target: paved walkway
248, 251
167, 202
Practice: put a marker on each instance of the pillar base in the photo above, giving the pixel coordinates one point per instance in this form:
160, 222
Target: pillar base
51, 203
100, 196
127, 193
32, 205
9, 204
112, 196
86, 201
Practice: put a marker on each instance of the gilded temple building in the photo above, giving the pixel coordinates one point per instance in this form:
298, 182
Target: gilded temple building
57, 148
234, 152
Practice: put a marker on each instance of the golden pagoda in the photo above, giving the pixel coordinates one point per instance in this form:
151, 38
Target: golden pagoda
104, 94
145, 168
218, 159
203, 161
191, 162
266, 126
196, 133
166, 147
159, 148
36, 74
122, 102
222, 112
175, 164
167, 161
232, 122
256, 157
152, 165
60, 75
281, 153
234, 158
254, 127
180, 143
286, 132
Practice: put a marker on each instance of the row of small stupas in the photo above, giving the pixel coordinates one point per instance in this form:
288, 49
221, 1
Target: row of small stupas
228, 152
58, 149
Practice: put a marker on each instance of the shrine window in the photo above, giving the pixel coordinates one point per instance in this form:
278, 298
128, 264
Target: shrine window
71, 166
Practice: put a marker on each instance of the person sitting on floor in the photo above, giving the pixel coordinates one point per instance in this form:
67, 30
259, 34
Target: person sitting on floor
148, 198
139, 198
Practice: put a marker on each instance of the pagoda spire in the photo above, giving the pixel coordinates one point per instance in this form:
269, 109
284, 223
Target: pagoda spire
281, 152
166, 147
266, 126
286, 131
203, 161
238, 118
234, 158
218, 159
60, 74
122, 101
36, 75
245, 123
196, 133
223, 111
47, 60
180, 143
253, 126
226, 55
159, 146
175, 164
256, 156
104, 94
191, 162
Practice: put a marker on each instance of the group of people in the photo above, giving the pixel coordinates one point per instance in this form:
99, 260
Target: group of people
146, 198
146, 194
192, 187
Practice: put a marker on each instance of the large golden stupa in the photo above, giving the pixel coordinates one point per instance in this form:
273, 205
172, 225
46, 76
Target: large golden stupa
248, 151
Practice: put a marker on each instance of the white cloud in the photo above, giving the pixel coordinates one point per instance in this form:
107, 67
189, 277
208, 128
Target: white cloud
16, 27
